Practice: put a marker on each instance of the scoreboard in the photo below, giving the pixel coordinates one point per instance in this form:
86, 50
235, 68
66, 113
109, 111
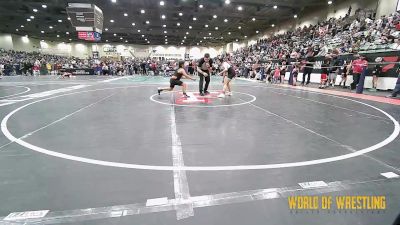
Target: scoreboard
86, 17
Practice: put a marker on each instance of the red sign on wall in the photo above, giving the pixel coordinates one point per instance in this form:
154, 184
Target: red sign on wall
89, 36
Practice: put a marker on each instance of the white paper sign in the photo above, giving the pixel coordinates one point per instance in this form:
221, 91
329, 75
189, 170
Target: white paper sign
313, 184
26, 215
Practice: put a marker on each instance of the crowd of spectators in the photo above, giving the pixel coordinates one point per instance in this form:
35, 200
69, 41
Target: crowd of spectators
34, 63
348, 34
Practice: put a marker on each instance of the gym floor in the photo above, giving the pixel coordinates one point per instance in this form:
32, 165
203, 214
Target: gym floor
101, 150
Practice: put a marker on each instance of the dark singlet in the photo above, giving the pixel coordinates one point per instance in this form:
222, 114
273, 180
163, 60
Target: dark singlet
177, 80
178, 75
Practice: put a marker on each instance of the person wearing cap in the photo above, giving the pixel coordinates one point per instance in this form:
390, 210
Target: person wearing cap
204, 67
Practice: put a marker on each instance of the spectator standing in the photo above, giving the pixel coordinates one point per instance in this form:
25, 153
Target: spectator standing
358, 66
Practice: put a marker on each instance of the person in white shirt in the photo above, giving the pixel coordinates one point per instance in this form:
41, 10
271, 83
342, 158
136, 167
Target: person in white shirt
228, 72
1, 70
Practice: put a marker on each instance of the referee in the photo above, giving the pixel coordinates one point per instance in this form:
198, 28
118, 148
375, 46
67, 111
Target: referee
204, 67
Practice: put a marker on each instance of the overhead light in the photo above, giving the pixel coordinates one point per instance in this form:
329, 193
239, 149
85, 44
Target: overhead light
138, 31
166, 40
35, 10
222, 37
42, 32
209, 34
165, 36
121, 38
16, 29
257, 31
180, 14
162, 3
184, 37
194, 18
216, 28
70, 39
67, 33
166, 43
113, 1
201, 41
142, 11
239, 27
126, 41
164, 25
229, 33
178, 24
148, 42
183, 40
240, 8
187, 32
51, 27
133, 24
295, 16
142, 35
147, 22
254, 19
115, 35
273, 25
69, 18
329, 2
163, 17
125, 14
200, 6
44, 6
215, 16
197, 43
29, 20
190, 27
237, 40
165, 32
225, 20
58, 35
206, 25
275, 6
60, 21
32, 17
227, 2
106, 40
145, 39
112, 21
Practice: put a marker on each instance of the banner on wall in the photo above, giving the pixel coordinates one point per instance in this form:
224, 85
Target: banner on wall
109, 49
89, 36
79, 71
169, 55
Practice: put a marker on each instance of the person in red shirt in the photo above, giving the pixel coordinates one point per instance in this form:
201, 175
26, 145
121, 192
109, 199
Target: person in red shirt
358, 66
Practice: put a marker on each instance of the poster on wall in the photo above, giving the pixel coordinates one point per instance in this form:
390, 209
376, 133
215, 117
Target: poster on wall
187, 57
109, 49
95, 55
